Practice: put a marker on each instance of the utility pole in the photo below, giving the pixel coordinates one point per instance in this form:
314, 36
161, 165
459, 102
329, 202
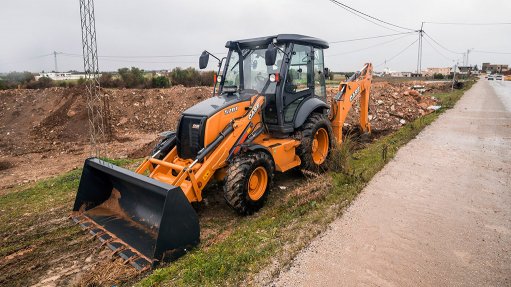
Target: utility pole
468, 52
98, 106
55, 58
454, 75
419, 52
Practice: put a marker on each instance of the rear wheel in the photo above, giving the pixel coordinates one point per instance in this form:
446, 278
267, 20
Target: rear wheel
315, 137
248, 182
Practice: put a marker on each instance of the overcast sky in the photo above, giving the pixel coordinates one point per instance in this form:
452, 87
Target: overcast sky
30, 29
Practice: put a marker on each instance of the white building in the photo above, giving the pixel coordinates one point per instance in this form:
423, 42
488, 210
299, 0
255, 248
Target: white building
61, 76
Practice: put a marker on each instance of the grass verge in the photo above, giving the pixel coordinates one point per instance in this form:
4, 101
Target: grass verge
279, 231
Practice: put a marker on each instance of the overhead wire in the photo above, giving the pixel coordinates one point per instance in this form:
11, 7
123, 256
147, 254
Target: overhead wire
470, 24
396, 55
27, 59
440, 45
436, 50
368, 38
491, 52
360, 13
132, 61
369, 47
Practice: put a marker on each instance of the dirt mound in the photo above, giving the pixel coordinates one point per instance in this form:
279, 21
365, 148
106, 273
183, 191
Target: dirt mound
48, 128
36, 121
393, 104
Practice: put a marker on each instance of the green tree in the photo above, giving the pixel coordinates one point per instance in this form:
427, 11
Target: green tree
41, 83
160, 82
188, 77
133, 78
438, 76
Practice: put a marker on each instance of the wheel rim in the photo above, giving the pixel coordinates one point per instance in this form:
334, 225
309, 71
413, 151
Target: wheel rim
257, 183
320, 146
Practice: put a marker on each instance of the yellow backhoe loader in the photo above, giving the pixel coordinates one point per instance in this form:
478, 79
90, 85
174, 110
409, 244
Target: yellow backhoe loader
269, 113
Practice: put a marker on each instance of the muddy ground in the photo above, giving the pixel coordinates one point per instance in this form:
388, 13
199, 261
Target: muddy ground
45, 133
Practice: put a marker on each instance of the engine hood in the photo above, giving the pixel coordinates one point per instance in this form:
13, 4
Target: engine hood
212, 105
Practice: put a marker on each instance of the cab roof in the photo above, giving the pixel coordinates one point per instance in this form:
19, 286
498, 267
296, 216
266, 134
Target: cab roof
281, 38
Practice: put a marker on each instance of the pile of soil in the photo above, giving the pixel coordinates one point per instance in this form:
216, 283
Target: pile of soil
392, 105
49, 127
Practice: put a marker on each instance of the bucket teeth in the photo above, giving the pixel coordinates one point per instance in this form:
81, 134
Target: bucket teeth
118, 248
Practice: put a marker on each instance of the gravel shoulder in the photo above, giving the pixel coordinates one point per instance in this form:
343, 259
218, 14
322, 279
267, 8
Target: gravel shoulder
437, 215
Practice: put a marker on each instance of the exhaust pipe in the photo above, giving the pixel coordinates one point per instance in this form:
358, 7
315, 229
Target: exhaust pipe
141, 219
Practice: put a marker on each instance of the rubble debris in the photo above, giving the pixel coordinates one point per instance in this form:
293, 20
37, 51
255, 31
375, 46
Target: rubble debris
393, 104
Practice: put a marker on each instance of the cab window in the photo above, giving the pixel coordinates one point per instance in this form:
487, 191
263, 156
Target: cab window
319, 74
297, 77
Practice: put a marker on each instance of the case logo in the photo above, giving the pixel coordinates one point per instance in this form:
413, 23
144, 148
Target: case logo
195, 126
355, 93
253, 111
230, 110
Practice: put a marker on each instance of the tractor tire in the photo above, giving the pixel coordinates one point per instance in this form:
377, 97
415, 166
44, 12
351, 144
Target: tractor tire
316, 142
248, 182
164, 146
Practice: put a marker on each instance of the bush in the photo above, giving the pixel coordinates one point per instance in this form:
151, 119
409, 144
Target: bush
19, 78
160, 82
107, 80
41, 83
207, 78
81, 81
438, 76
133, 78
188, 77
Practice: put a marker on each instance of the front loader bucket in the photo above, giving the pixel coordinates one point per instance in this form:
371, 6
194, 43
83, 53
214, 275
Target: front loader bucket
143, 220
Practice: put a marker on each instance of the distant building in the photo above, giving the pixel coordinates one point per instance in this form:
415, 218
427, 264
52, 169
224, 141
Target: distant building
429, 72
494, 68
61, 76
467, 70
389, 73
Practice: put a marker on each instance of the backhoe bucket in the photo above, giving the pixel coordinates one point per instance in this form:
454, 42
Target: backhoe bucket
143, 220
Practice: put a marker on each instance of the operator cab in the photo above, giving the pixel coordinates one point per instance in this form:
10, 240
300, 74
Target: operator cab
288, 69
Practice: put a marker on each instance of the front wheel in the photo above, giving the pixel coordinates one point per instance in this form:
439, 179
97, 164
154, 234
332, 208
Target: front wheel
248, 182
316, 140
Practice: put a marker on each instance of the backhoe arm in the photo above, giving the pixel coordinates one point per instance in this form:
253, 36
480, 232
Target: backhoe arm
357, 86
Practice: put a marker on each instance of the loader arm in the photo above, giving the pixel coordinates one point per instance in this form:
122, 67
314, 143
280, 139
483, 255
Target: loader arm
193, 176
356, 87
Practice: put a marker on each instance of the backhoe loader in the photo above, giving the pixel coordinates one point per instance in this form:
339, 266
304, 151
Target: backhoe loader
268, 113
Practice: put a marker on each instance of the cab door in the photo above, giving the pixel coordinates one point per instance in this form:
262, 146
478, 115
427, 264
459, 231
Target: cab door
299, 82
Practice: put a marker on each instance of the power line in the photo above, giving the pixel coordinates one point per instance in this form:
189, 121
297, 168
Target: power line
359, 13
396, 55
368, 20
27, 59
145, 57
133, 61
436, 50
469, 24
369, 47
440, 45
490, 52
367, 38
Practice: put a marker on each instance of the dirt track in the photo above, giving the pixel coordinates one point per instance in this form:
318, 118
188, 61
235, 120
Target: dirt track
438, 215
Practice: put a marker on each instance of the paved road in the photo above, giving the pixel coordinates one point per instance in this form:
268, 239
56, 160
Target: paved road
439, 214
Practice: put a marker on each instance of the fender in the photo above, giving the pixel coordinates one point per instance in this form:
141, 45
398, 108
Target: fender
306, 108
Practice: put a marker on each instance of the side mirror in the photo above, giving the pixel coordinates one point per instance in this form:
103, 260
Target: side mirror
270, 56
203, 60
